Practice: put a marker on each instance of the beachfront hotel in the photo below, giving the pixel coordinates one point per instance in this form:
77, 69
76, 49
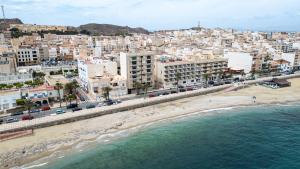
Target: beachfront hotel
188, 72
137, 68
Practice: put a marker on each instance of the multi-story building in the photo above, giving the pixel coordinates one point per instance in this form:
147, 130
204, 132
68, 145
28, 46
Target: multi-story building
188, 72
137, 68
8, 63
95, 68
28, 56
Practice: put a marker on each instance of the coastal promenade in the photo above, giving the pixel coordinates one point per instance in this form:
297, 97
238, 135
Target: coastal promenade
125, 106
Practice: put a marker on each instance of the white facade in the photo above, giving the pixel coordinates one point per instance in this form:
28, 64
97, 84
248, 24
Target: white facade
8, 99
95, 68
239, 61
52, 53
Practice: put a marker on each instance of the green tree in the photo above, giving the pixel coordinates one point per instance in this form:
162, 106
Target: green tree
9, 86
70, 89
145, 88
58, 87
71, 97
178, 78
3, 86
26, 103
138, 86
18, 85
206, 77
106, 91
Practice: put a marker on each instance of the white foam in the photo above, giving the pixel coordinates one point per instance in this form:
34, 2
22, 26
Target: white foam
34, 166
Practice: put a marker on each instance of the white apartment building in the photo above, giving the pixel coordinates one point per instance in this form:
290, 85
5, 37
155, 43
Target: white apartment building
188, 72
137, 68
96, 74
28, 56
239, 61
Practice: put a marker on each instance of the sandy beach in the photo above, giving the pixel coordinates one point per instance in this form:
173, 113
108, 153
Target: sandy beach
47, 140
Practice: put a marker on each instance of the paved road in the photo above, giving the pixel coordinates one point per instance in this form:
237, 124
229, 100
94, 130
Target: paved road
49, 112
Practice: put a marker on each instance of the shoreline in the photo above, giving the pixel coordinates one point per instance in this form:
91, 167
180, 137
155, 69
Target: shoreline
38, 159
71, 135
88, 144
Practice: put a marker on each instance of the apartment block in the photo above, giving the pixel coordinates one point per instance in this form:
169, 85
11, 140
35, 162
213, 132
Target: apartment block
28, 56
188, 72
137, 68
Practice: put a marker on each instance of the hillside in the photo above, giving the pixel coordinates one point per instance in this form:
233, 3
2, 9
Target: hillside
4, 24
107, 29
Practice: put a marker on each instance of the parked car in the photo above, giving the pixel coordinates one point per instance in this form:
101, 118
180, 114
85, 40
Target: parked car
1, 121
11, 120
109, 102
72, 106
189, 89
81, 98
165, 93
45, 108
27, 117
76, 109
60, 111
173, 91
91, 106
118, 101
152, 95
35, 111
16, 113
182, 90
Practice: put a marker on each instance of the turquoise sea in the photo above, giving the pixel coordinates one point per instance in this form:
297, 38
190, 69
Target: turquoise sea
262, 137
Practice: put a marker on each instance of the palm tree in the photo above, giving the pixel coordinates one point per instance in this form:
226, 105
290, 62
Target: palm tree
138, 86
58, 87
106, 91
26, 104
178, 78
206, 77
71, 97
145, 87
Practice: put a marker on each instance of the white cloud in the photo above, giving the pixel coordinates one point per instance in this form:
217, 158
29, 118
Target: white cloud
156, 13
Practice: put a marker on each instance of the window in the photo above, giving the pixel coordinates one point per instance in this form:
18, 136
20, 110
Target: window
148, 57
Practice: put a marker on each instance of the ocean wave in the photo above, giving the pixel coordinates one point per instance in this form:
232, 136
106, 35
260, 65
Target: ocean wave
34, 166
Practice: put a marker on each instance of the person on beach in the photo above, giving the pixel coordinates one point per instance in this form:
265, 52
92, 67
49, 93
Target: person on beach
254, 99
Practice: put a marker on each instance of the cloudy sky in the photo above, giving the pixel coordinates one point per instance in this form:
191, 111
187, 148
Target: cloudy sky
161, 14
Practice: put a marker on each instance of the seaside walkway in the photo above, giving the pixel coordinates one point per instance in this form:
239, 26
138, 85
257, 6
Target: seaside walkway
125, 106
